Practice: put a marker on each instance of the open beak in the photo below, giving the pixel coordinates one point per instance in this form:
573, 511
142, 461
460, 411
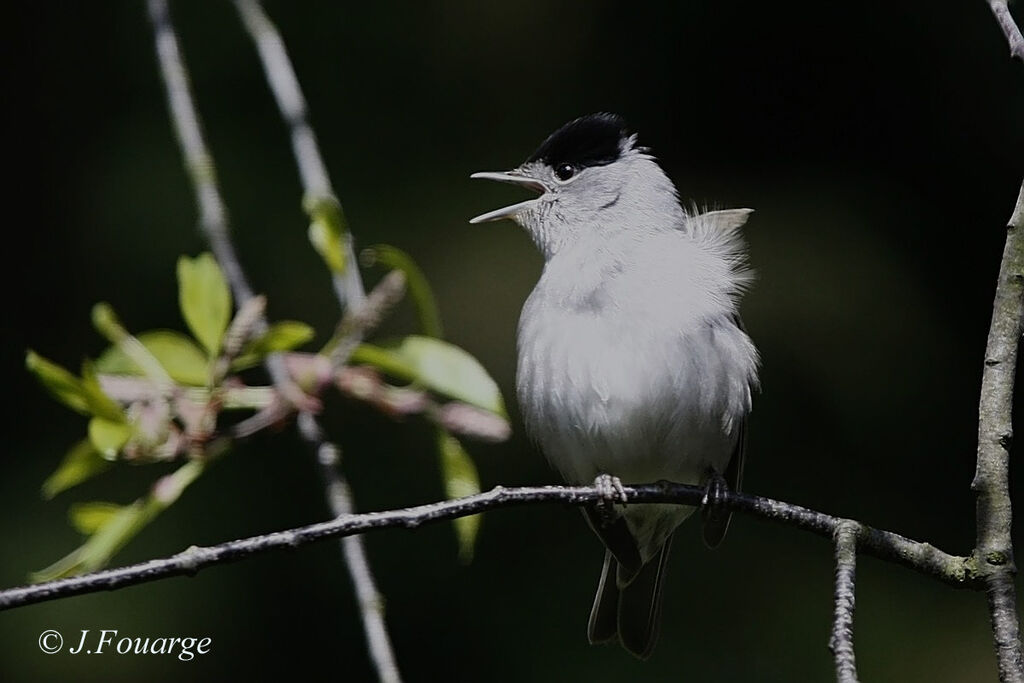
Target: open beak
515, 178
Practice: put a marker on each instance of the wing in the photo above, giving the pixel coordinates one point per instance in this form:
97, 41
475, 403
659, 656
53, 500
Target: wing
715, 525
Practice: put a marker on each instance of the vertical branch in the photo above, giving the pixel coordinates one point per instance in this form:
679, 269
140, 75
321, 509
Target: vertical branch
993, 554
371, 602
322, 204
841, 642
994, 551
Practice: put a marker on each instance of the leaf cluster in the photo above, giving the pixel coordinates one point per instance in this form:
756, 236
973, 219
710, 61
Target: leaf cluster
159, 396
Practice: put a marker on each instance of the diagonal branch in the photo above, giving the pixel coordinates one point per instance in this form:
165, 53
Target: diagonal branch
841, 642
922, 557
312, 172
994, 551
1001, 11
362, 319
213, 213
369, 599
323, 205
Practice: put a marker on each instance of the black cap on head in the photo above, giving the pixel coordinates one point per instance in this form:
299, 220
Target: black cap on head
593, 140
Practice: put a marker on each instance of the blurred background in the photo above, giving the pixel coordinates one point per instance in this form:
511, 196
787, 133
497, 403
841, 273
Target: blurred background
881, 145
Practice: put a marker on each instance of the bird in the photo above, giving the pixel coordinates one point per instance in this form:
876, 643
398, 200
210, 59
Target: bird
633, 362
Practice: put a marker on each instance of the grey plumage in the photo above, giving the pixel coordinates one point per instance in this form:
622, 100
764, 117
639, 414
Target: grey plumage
632, 361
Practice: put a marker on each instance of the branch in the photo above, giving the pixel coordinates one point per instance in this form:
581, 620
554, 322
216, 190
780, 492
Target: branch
994, 551
316, 183
213, 214
950, 569
214, 225
841, 642
369, 599
323, 206
1013, 36
358, 321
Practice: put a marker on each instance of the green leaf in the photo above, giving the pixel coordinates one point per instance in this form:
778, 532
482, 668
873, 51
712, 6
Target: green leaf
384, 359
460, 480
88, 518
114, 526
282, 336
64, 386
107, 436
111, 535
183, 360
83, 395
205, 300
327, 229
327, 242
419, 289
439, 366
99, 403
81, 463
106, 323
66, 566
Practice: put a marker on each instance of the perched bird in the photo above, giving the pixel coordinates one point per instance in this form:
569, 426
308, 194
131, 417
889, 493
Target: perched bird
633, 363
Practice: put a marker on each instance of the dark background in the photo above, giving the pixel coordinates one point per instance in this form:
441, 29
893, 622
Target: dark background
880, 143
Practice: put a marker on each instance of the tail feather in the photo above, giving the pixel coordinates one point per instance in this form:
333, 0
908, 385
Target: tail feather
640, 606
627, 606
603, 626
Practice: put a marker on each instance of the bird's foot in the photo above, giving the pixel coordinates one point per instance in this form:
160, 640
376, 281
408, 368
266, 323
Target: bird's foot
611, 492
715, 490
610, 489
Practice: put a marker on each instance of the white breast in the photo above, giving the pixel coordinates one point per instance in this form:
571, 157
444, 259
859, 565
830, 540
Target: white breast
629, 373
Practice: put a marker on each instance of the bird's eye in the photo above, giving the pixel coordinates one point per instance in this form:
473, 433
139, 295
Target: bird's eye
565, 171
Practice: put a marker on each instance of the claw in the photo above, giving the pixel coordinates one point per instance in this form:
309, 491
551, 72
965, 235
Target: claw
610, 488
714, 494
611, 492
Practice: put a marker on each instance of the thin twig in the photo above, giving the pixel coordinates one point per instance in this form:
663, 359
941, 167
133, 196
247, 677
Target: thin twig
360, 320
365, 384
107, 323
320, 198
360, 382
1009, 26
994, 551
952, 570
841, 642
369, 599
312, 172
213, 213
241, 330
